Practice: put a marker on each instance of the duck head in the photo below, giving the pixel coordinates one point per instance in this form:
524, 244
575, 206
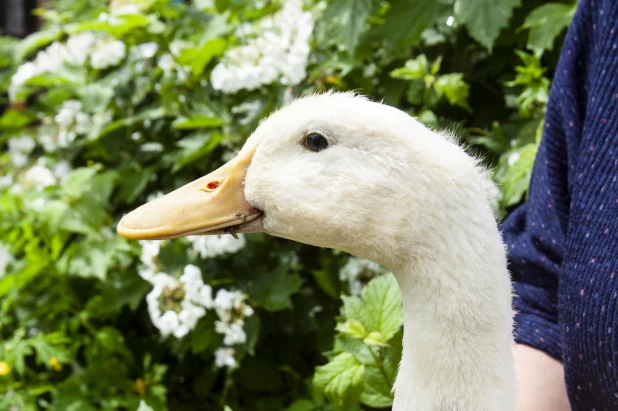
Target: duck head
331, 170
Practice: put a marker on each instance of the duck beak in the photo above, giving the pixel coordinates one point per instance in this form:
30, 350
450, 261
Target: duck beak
213, 204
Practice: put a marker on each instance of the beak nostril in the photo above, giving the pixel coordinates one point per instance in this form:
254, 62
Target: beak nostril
212, 186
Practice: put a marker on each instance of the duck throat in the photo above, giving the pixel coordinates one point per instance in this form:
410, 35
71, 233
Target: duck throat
457, 324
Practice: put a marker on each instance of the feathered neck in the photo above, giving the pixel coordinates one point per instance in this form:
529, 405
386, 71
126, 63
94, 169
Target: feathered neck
457, 317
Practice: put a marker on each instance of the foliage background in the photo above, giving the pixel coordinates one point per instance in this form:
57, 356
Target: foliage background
75, 329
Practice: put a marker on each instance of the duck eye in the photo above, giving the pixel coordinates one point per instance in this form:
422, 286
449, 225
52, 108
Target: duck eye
315, 142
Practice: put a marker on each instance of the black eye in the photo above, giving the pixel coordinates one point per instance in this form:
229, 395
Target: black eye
315, 142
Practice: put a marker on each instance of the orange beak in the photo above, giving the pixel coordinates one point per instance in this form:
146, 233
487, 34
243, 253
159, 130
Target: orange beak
213, 204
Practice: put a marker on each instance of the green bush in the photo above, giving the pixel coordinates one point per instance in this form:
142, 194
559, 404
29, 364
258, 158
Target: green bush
111, 104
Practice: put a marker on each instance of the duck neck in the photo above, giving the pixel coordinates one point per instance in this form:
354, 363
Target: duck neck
457, 322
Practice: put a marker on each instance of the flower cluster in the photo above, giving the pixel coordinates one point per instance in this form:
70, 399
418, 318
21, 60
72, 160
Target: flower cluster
76, 51
208, 246
176, 305
19, 148
277, 50
358, 271
167, 62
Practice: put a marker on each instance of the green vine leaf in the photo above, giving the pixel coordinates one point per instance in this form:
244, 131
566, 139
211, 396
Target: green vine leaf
341, 380
484, 19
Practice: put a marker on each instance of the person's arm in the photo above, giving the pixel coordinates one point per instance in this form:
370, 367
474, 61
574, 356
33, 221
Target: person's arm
536, 234
540, 381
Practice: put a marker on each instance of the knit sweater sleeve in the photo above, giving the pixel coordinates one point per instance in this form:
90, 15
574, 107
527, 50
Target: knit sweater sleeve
536, 232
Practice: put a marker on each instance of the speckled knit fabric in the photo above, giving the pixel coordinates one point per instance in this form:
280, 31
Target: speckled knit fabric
564, 241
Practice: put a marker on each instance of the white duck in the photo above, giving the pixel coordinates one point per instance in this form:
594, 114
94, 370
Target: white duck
339, 171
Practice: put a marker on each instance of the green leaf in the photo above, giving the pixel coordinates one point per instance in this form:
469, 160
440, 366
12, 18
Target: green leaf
353, 328
197, 58
204, 337
194, 147
77, 181
356, 347
301, 405
454, 88
514, 178
273, 291
7, 50
13, 119
376, 391
484, 19
341, 380
413, 69
381, 309
374, 338
184, 123
404, 22
545, 23
346, 21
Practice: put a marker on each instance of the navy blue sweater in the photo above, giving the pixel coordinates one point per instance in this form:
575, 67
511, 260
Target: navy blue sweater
564, 241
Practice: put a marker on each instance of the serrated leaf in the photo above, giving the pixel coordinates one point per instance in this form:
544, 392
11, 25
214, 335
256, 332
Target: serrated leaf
545, 23
352, 328
484, 19
374, 338
376, 391
380, 309
454, 88
405, 20
356, 347
341, 380
346, 21
413, 69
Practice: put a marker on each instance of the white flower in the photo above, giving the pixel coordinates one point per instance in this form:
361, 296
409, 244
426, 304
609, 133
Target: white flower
196, 296
228, 300
168, 323
108, 54
148, 257
23, 144
233, 332
78, 47
513, 158
37, 204
152, 146
40, 176
18, 159
6, 181
209, 246
67, 113
61, 171
177, 46
19, 148
145, 50
279, 53
203, 4
126, 9
224, 357
166, 63
50, 60
6, 258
